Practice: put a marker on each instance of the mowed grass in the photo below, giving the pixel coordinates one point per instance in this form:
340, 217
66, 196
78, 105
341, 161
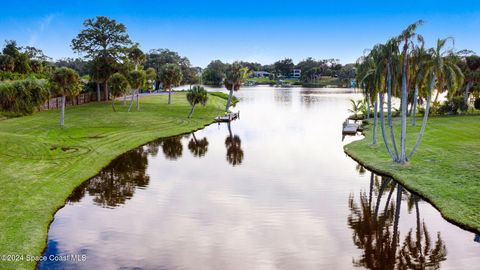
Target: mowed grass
41, 163
445, 169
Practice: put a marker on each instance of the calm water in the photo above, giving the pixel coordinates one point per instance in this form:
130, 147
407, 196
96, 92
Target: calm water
272, 191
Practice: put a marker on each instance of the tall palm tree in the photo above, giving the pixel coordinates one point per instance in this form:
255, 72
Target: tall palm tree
65, 82
198, 147
234, 77
443, 74
406, 37
170, 75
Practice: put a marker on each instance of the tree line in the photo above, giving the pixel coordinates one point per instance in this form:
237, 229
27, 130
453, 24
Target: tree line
311, 70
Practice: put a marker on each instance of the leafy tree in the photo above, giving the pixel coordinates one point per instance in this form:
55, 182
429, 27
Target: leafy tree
23, 97
136, 56
136, 79
234, 77
190, 76
7, 63
22, 64
214, 73
196, 95
170, 75
157, 58
105, 41
65, 82
11, 49
118, 87
151, 76
284, 67
80, 65
36, 66
35, 54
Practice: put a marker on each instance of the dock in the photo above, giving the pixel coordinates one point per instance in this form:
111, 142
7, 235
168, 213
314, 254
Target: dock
228, 117
350, 128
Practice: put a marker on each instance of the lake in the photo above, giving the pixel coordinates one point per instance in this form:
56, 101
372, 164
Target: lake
272, 190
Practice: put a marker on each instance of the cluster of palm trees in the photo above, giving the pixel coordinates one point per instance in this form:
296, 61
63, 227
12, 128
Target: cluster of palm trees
403, 68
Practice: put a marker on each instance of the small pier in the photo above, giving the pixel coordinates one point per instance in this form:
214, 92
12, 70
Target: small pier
350, 128
228, 117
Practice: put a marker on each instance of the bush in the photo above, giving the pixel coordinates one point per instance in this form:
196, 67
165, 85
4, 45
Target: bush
453, 106
476, 103
23, 97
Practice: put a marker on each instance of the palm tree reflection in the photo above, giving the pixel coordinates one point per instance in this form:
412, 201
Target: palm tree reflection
172, 147
234, 148
198, 147
117, 183
375, 231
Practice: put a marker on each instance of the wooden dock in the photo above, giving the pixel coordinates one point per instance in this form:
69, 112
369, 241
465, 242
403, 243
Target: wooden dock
350, 128
228, 117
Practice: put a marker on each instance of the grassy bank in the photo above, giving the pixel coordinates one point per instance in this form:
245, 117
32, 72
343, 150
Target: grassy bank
444, 170
42, 164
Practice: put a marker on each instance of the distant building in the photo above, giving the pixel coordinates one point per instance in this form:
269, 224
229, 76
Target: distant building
296, 73
258, 74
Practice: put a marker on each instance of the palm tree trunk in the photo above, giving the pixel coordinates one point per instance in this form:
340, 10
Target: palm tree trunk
191, 112
368, 106
106, 91
382, 127
404, 108
425, 117
229, 100
467, 93
387, 202
380, 193
370, 190
138, 102
113, 104
375, 112
131, 101
62, 112
389, 111
98, 92
229, 130
397, 218
414, 106
170, 96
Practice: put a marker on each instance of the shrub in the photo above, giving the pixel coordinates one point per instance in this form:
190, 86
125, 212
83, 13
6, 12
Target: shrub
476, 103
23, 97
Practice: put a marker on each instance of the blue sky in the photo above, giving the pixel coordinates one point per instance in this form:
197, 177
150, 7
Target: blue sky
260, 31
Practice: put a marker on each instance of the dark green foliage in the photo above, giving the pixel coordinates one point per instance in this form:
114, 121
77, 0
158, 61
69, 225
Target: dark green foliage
23, 97
118, 85
453, 106
214, 73
7, 63
476, 104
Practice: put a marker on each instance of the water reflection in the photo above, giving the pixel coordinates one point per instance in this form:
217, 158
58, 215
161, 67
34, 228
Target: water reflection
198, 147
117, 182
233, 143
172, 147
377, 233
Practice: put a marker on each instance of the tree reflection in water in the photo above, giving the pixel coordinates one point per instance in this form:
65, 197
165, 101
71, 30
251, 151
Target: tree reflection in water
115, 184
375, 230
234, 148
172, 147
198, 147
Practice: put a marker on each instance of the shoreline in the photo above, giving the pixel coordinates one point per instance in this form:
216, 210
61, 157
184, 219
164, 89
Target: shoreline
116, 141
431, 174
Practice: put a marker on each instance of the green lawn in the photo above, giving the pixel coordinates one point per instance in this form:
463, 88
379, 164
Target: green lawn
445, 169
42, 164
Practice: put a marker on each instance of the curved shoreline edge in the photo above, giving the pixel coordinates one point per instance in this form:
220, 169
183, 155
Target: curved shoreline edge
52, 218
423, 195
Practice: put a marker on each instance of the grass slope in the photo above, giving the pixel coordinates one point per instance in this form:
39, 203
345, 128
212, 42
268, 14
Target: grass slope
42, 164
444, 170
